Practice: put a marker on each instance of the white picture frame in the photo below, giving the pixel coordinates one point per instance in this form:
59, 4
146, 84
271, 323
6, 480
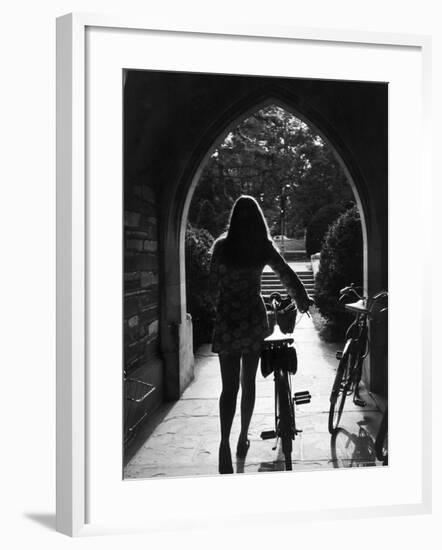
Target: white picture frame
82, 40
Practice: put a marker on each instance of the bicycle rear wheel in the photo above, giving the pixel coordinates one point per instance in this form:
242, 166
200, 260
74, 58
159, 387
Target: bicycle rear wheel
339, 392
286, 417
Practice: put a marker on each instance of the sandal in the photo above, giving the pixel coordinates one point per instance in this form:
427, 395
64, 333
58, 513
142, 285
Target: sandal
242, 448
225, 460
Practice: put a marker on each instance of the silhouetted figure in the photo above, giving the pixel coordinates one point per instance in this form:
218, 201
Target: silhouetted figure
238, 259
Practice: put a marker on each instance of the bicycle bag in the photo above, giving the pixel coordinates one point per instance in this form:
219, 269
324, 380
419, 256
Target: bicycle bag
286, 320
285, 358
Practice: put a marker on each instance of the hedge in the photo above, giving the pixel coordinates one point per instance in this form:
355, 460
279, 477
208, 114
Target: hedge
341, 264
318, 227
199, 305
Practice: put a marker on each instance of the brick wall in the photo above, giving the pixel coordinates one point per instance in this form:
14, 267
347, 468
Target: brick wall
141, 296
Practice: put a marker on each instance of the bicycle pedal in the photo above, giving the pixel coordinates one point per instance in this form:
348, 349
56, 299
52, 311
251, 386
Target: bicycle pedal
339, 355
302, 401
302, 397
269, 434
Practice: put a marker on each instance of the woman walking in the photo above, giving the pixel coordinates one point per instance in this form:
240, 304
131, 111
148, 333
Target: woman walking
238, 259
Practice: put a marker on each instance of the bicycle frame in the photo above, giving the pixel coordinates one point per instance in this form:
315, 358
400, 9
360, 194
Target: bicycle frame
357, 337
351, 359
357, 332
281, 353
283, 378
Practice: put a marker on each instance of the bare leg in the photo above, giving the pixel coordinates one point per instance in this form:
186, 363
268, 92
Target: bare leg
248, 392
230, 370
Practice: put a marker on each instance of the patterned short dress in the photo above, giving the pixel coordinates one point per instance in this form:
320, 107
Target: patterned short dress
241, 319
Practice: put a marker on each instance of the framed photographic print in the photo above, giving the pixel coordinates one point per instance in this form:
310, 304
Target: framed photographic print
235, 208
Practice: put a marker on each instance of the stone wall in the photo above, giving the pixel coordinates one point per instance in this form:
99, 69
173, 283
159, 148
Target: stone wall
141, 284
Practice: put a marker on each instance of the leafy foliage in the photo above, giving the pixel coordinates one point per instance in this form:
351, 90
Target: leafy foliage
207, 217
199, 305
319, 225
341, 264
278, 159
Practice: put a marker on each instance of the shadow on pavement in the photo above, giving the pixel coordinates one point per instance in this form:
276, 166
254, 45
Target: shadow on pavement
349, 450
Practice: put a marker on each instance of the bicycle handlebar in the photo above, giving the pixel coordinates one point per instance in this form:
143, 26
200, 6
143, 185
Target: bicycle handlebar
276, 300
351, 289
379, 295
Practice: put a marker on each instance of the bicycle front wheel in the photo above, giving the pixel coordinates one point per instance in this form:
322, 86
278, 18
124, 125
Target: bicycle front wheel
339, 392
286, 417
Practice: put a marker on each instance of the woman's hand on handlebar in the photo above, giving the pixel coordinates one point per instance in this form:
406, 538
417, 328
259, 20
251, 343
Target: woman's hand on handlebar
305, 303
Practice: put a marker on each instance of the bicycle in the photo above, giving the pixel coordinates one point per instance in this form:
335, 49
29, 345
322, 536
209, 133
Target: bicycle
351, 358
279, 356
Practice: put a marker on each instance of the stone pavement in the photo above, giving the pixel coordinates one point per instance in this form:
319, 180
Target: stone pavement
183, 437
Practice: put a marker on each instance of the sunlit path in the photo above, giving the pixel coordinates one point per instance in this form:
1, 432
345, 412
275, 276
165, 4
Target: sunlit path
184, 436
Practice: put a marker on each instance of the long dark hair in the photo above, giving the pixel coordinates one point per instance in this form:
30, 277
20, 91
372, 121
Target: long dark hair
247, 240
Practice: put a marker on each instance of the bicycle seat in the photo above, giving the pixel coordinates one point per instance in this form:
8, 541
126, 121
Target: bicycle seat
278, 337
357, 307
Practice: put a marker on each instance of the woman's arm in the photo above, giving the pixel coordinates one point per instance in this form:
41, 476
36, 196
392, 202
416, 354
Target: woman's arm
289, 279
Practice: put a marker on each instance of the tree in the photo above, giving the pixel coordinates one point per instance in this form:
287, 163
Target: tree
318, 226
207, 218
278, 159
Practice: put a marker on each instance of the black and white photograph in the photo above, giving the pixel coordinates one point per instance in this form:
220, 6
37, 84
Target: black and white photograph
221, 254
255, 291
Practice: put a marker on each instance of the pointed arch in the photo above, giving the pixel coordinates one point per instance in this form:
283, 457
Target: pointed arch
323, 116
227, 125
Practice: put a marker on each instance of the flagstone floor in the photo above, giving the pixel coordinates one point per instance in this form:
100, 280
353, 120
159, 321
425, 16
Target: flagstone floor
183, 437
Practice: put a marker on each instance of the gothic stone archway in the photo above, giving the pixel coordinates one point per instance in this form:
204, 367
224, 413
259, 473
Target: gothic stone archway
173, 120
